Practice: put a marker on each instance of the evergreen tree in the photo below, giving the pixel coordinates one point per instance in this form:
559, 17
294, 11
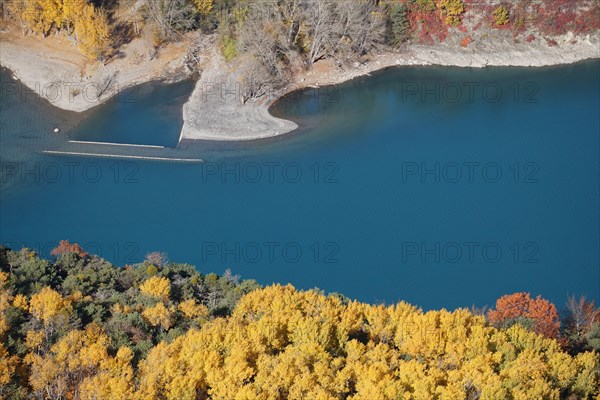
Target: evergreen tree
399, 23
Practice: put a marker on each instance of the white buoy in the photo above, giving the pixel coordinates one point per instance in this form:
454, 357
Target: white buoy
56, 130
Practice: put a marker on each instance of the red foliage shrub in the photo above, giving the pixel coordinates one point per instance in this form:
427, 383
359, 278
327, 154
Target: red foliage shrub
65, 247
551, 42
548, 17
466, 41
530, 38
428, 25
556, 17
588, 21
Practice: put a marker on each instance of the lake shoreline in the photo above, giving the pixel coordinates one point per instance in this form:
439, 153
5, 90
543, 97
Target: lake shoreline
215, 111
247, 122
56, 71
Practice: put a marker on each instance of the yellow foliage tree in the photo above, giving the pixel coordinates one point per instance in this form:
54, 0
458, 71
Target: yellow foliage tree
92, 32
157, 287
34, 340
5, 301
8, 363
89, 24
72, 13
451, 10
48, 304
20, 301
192, 310
76, 356
501, 15
8, 366
41, 16
114, 380
159, 315
204, 7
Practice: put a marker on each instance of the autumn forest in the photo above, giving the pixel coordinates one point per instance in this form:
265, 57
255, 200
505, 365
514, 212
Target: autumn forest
73, 326
77, 327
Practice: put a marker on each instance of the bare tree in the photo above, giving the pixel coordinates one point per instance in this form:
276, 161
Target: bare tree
230, 277
363, 27
170, 17
343, 29
274, 36
322, 22
479, 311
258, 34
255, 79
291, 15
157, 258
264, 41
106, 84
580, 315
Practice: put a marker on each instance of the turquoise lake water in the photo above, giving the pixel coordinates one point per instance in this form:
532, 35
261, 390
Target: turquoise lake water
444, 187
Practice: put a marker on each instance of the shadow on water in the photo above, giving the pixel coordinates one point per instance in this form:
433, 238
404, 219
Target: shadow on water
148, 114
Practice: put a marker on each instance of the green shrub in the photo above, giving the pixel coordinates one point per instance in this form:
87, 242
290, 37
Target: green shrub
228, 48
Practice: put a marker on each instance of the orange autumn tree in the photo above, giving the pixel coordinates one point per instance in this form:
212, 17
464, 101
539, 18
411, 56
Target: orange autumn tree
65, 247
539, 311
